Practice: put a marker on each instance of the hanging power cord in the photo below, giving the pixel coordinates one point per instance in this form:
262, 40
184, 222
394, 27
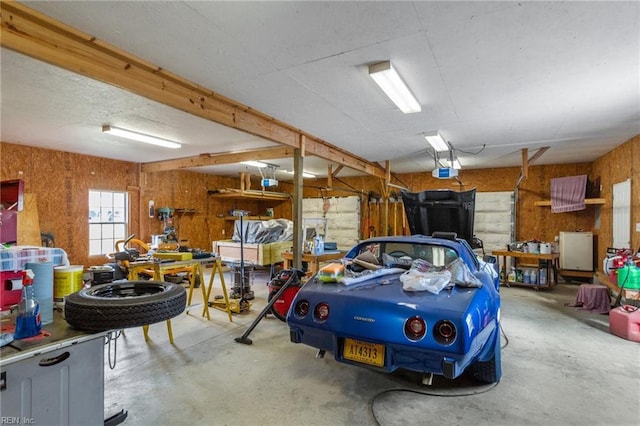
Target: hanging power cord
471, 153
112, 336
478, 391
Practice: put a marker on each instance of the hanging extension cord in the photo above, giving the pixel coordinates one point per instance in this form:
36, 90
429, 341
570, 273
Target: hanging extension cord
478, 391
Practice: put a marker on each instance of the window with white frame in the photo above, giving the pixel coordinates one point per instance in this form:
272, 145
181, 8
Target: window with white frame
107, 220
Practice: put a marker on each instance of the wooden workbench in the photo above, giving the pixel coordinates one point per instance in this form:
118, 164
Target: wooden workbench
314, 260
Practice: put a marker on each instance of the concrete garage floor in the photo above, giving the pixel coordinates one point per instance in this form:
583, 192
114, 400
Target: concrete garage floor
561, 367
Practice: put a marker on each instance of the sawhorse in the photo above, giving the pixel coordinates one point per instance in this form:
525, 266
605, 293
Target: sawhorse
217, 267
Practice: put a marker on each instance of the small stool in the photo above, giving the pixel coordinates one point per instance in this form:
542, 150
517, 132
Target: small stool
593, 297
624, 321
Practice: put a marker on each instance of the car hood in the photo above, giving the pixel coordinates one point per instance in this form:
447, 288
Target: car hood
440, 210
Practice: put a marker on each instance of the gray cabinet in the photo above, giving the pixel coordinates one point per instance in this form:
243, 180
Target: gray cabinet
56, 384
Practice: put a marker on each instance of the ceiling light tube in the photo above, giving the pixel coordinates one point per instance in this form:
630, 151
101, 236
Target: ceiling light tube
394, 87
254, 164
140, 137
436, 141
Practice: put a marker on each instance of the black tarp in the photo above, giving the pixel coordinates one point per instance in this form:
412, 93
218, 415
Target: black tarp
440, 210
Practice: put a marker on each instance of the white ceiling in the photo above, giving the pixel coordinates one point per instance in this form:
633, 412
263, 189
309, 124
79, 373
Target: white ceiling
505, 75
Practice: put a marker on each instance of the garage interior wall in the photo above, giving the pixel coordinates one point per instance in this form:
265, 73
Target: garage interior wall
63, 210
342, 215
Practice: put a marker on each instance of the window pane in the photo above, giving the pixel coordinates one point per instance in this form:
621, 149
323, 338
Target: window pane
95, 232
94, 199
118, 215
106, 198
119, 231
94, 214
95, 248
119, 200
108, 246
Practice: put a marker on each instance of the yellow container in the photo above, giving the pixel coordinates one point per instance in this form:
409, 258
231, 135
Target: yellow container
174, 255
66, 280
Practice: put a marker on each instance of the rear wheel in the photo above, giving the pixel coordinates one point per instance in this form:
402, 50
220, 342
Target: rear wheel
485, 371
488, 371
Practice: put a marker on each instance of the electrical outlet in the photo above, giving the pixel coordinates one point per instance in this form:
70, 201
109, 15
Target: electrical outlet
637, 227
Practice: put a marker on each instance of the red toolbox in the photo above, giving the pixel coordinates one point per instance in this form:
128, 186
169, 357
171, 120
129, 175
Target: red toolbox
11, 288
624, 321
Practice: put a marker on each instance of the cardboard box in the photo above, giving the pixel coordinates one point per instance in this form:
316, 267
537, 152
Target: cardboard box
631, 294
258, 254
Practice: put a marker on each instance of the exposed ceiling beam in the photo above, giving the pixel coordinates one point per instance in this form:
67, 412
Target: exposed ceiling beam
526, 161
34, 34
336, 171
538, 154
216, 159
342, 157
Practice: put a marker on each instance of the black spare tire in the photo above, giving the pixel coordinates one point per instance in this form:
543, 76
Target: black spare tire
124, 304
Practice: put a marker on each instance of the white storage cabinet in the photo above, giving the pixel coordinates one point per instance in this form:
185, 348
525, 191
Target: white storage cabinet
58, 384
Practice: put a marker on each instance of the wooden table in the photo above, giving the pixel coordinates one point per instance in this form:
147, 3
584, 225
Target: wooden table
314, 260
551, 266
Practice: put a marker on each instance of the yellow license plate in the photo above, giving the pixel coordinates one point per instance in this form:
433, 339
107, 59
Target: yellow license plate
364, 352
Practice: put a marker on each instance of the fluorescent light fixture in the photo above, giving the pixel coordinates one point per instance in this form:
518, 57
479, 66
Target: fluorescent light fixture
254, 164
391, 83
140, 137
436, 141
304, 174
456, 164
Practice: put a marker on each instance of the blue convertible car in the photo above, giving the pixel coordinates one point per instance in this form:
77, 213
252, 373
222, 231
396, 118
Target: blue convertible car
421, 303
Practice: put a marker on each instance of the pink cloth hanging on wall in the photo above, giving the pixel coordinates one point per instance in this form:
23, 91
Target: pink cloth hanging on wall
568, 194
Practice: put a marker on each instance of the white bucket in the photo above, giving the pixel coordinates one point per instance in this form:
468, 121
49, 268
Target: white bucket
533, 247
156, 240
545, 248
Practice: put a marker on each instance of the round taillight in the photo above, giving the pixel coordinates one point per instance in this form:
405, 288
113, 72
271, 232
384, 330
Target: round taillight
302, 308
414, 328
444, 332
322, 311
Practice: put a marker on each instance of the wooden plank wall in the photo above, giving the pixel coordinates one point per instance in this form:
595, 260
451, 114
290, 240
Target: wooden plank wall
533, 222
61, 182
617, 166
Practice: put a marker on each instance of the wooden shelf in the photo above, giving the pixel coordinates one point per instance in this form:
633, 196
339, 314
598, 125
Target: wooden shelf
592, 201
185, 211
234, 194
249, 217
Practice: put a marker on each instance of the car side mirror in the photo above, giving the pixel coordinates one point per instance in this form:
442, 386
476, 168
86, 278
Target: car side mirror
490, 259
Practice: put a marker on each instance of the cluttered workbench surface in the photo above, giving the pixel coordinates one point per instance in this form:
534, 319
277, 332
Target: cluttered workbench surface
55, 377
52, 336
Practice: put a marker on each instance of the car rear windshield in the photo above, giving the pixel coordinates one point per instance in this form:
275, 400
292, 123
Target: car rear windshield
403, 253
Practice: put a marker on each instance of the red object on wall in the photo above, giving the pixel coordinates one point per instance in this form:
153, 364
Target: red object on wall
12, 194
12, 200
8, 296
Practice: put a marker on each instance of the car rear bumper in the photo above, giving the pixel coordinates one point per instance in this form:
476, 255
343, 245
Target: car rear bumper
449, 365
